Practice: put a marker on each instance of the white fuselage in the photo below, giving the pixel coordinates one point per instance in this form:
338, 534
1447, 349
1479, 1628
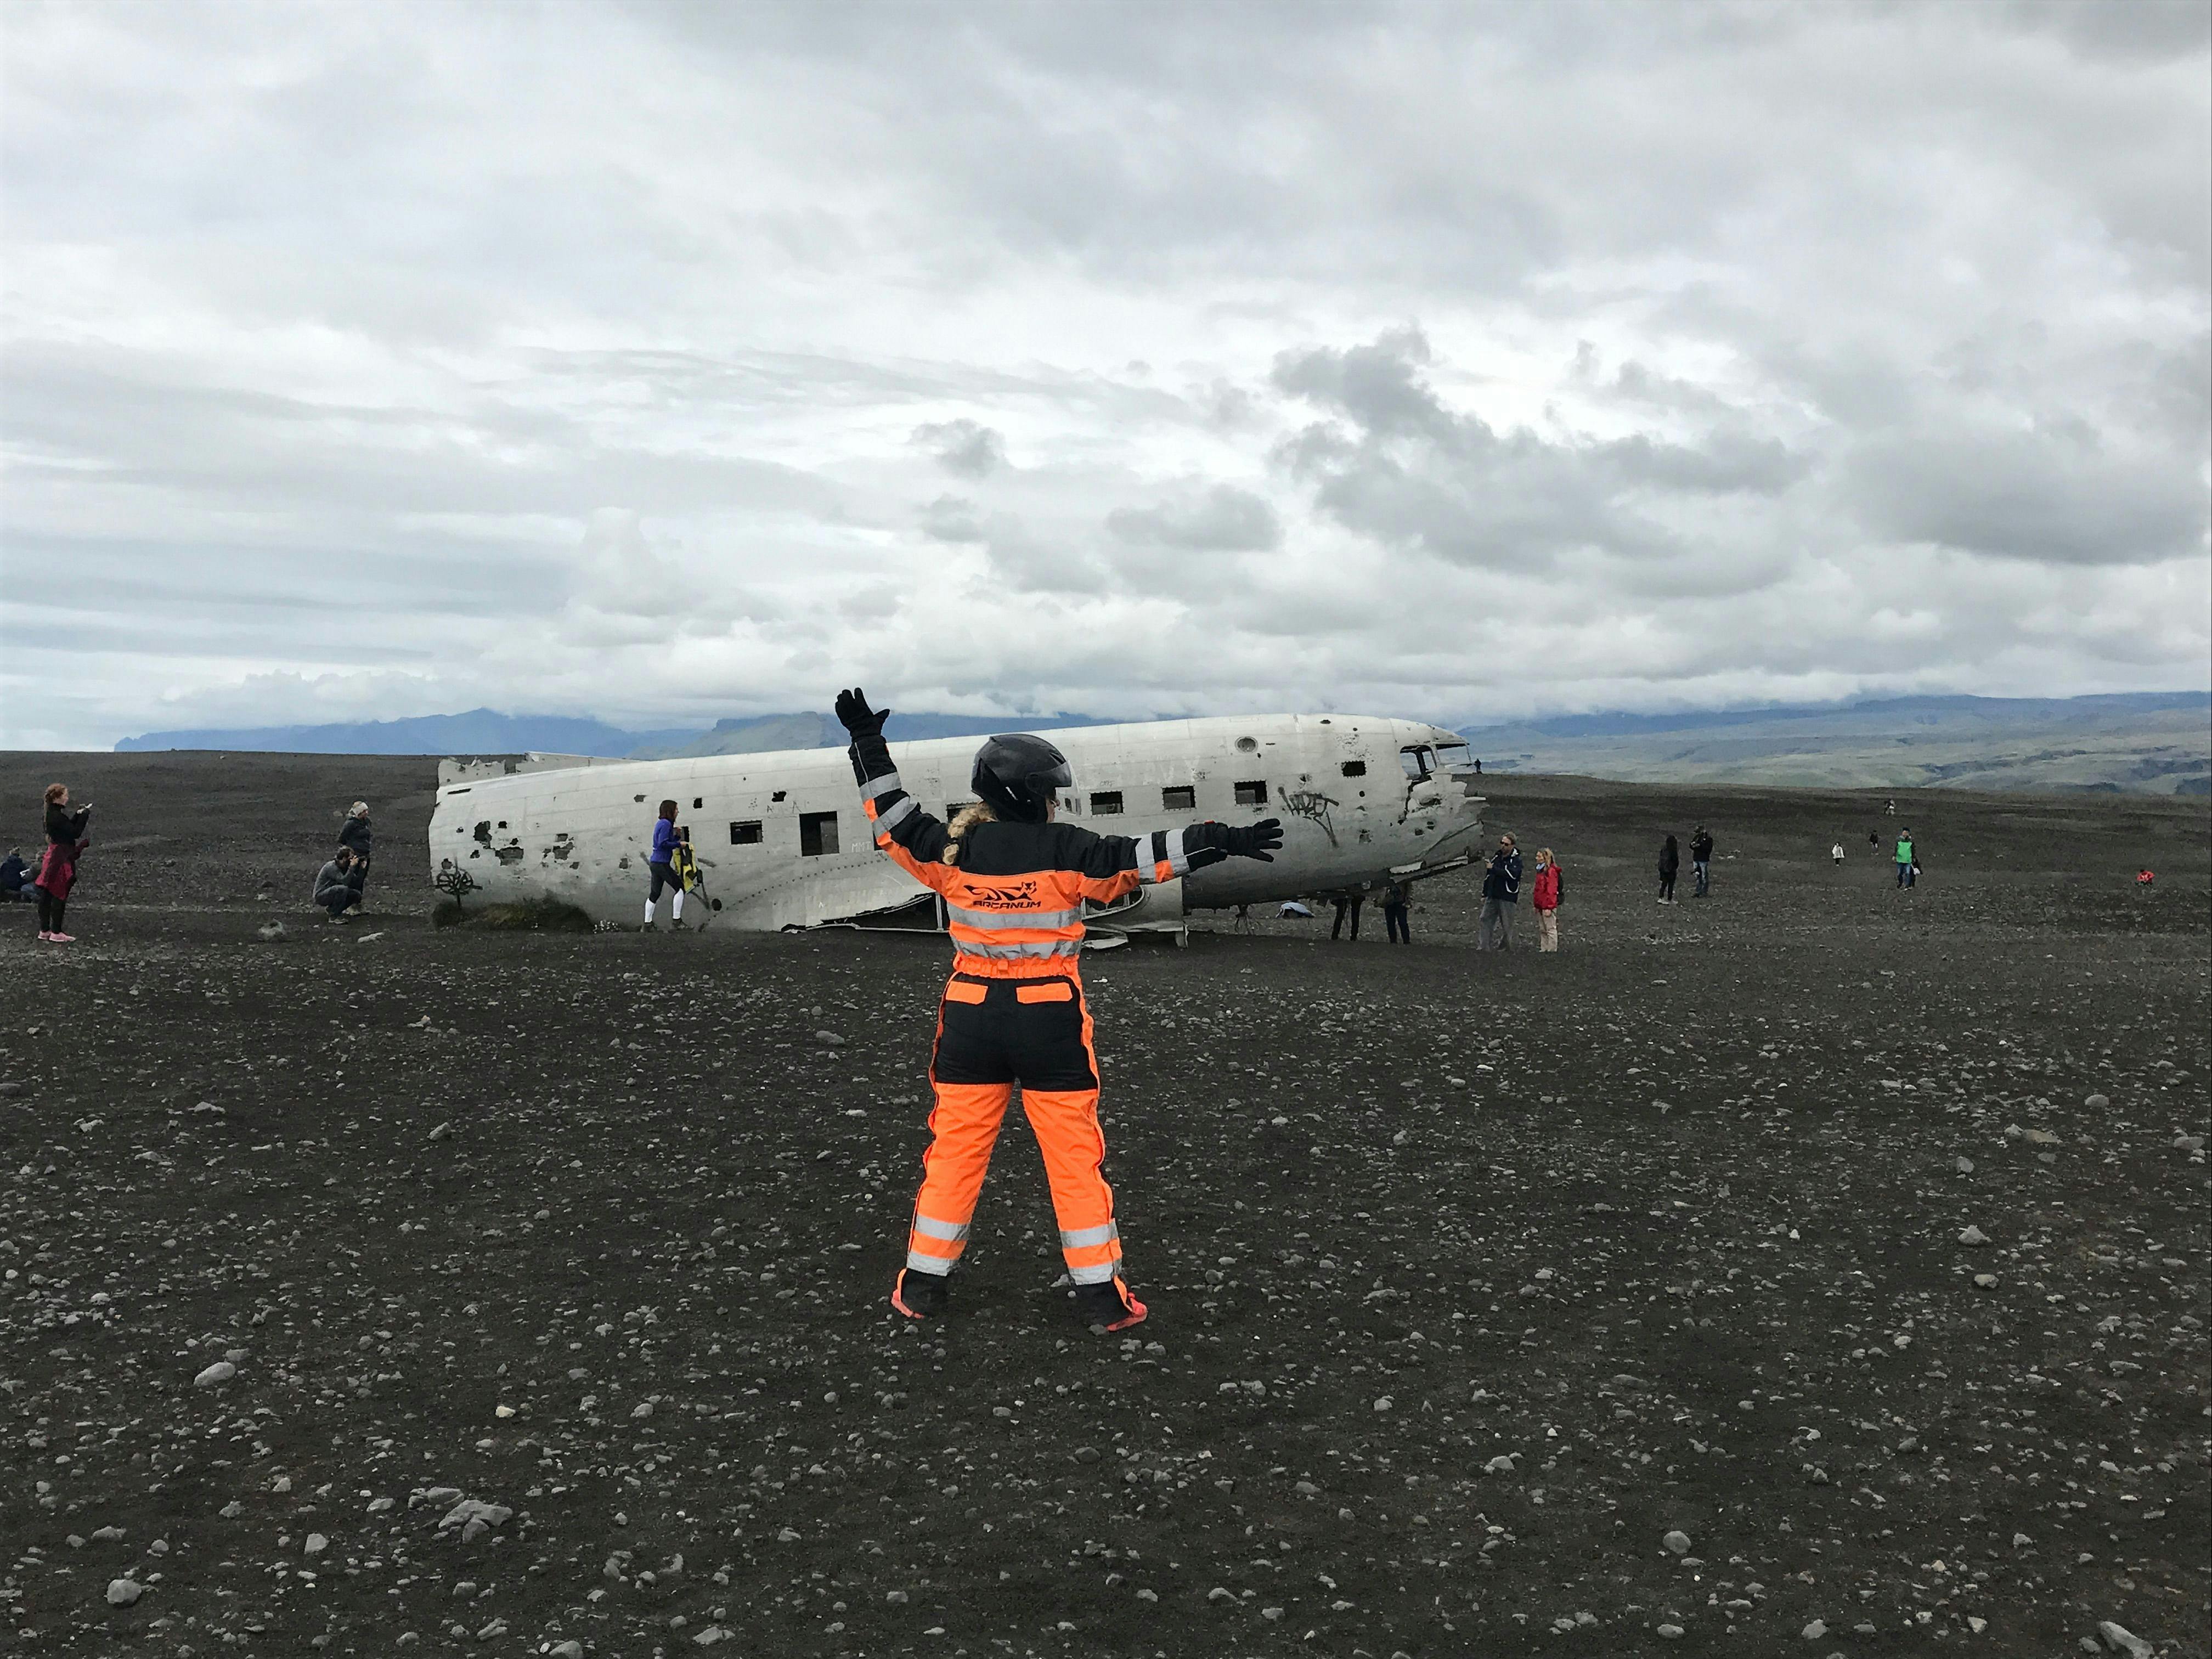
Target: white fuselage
781, 841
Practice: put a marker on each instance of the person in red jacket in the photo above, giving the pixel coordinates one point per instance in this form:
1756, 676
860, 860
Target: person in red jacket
1014, 883
1550, 889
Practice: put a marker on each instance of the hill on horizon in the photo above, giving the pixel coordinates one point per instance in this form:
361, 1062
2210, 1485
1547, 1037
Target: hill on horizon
2149, 743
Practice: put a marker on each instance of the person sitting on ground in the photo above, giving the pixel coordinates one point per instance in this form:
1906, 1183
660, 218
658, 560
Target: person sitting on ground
16, 879
356, 836
2145, 878
338, 886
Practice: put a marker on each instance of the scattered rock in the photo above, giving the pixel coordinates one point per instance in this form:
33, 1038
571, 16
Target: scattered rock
222, 1371
1973, 1235
1672, 1632
2096, 1103
122, 1592
2120, 1639
1677, 1541
274, 932
1814, 1631
317, 1543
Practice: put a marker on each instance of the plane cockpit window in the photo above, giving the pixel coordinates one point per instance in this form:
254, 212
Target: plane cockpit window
1418, 761
1454, 757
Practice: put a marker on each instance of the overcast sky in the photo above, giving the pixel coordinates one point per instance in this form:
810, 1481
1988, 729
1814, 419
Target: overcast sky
662, 362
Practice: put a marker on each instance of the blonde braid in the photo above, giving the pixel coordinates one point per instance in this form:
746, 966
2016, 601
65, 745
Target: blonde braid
965, 819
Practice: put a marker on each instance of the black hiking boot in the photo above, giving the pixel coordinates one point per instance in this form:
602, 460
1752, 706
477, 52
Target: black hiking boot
1108, 1307
919, 1295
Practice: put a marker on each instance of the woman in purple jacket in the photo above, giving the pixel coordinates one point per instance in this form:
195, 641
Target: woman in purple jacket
661, 862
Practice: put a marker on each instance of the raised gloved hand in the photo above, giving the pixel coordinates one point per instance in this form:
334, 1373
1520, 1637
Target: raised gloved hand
1254, 840
857, 717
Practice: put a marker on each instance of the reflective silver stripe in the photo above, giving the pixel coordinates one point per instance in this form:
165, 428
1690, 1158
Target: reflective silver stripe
1151, 852
1056, 947
882, 785
988, 919
1163, 846
1082, 1237
937, 1265
930, 1228
1102, 1274
894, 813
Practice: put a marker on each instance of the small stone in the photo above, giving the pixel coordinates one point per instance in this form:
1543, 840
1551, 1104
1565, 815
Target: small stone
2042, 1138
231, 1510
2120, 1639
1965, 1166
785, 1535
566, 1650
1813, 1631
441, 1132
222, 1371
11, 1088
2097, 1102
1383, 1402
2188, 1143
1672, 1632
1086, 1453
442, 1494
317, 1543
1986, 1281
829, 1039
122, 1592
109, 1535
272, 932
1971, 1235
1678, 1542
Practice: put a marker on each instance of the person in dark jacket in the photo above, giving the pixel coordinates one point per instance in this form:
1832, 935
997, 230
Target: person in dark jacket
660, 864
1670, 865
337, 884
65, 844
16, 879
1397, 904
1701, 860
1501, 892
356, 836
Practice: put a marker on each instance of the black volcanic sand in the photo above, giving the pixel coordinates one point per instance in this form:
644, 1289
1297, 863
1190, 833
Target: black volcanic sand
1473, 1276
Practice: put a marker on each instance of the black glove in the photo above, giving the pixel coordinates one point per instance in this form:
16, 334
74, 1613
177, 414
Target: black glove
857, 717
1254, 840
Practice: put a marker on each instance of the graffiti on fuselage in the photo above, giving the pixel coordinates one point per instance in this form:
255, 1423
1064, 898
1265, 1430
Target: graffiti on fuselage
1311, 804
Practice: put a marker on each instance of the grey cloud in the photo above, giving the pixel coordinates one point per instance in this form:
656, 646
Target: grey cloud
963, 446
1223, 519
951, 518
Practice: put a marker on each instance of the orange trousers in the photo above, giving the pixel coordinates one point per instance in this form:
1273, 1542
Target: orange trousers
993, 1034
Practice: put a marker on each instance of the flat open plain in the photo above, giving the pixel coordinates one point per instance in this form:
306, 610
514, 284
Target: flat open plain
1473, 1277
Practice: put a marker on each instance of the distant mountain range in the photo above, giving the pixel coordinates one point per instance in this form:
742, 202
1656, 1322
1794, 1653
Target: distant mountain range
486, 732
2142, 743
2149, 743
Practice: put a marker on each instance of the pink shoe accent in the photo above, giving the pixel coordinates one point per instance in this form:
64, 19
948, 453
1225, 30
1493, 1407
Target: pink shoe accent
62, 938
1137, 1309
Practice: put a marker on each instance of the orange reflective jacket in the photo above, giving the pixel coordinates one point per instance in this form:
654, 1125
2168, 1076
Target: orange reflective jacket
1014, 902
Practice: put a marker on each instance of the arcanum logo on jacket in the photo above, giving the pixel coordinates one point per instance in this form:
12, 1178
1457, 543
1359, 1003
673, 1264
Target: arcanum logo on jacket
1022, 897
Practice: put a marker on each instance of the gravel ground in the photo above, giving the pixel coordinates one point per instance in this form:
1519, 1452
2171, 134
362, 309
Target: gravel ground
1815, 1269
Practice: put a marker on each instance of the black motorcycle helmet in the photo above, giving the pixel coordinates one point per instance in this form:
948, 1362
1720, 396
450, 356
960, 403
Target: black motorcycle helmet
1017, 776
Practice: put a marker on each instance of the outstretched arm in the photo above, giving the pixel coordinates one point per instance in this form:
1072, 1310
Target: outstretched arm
911, 837
1112, 865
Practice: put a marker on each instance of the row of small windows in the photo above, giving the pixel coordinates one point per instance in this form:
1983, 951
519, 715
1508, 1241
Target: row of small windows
817, 831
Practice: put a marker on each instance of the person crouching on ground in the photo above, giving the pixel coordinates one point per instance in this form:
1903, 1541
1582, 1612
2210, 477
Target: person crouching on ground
65, 845
1549, 891
1014, 883
15, 879
356, 836
660, 863
337, 884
